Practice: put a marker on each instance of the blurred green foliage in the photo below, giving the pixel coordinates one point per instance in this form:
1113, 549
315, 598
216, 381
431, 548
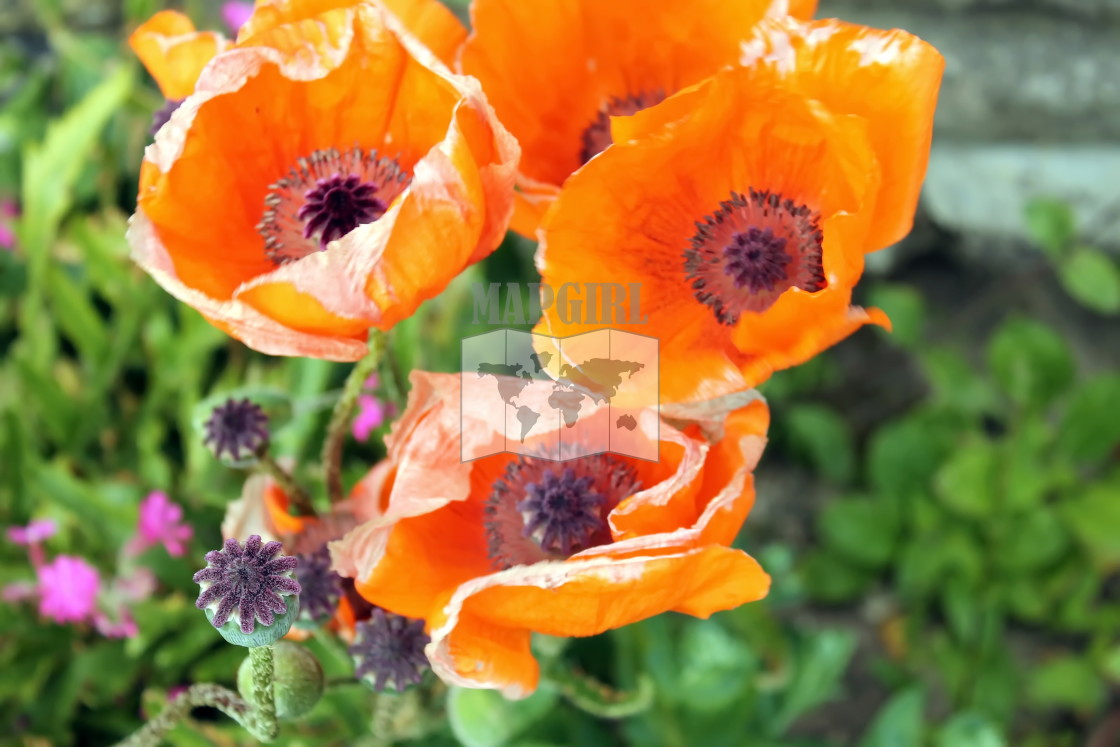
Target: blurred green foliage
965, 563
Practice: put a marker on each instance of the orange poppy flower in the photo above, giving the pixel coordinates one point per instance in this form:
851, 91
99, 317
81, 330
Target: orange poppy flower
743, 206
175, 53
556, 70
296, 202
482, 552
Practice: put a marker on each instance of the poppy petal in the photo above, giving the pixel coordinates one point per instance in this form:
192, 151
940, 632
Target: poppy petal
480, 636
552, 67
890, 78
174, 52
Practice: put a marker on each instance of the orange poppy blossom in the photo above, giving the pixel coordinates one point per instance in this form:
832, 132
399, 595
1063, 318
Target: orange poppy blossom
489, 550
175, 53
556, 70
743, 206
325, 177
263, 509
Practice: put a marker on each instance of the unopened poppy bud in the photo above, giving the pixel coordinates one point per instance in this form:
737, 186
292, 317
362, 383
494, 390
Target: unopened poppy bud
297, 678
236, 426
388, 651
248, 593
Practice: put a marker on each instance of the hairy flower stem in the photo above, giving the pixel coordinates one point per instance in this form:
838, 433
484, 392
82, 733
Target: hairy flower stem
287, 483
343, 411
264, 693
215, 696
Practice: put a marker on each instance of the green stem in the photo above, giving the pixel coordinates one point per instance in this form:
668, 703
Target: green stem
394, 378
343, 410
591, 696
264, 693
287, 483
215, 696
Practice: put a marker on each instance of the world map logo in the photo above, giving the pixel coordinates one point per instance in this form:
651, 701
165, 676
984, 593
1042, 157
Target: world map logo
563, 398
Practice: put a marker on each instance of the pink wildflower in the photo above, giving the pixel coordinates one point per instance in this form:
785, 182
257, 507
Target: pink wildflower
8, 212
160, 523
34, 533
123, 627
372, 412
68, 589
235, 14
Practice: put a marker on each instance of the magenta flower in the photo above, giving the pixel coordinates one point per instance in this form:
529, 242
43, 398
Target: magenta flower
235, 14
34, 533
68, 589
123, 627
372, 412
160, 524
8, 212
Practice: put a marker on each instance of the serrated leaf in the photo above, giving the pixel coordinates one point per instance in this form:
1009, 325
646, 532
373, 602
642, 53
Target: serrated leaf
1092, 279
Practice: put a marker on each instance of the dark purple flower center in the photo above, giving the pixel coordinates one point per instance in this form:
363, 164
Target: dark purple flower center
236, 425
326, 196
337, 205
756, 259
249, 581
388, 651
597, 136
542, 510
750, 251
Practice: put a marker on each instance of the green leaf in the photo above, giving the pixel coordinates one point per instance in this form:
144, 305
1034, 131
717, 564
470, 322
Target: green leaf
76, 316
484, 718
1030, 362
899, 723
962, 609
715, 666
829, 578
955, 383
861, 530
51, 168
822, 659
1094, 519
927, 559
1066, 682
1090, 429
1092, 279
903, 455
824, 438
1027, 473
906, 309
967, 482
1033, 541
1051, 224
969, 729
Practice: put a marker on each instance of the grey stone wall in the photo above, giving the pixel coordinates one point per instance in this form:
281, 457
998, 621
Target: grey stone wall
1030, 106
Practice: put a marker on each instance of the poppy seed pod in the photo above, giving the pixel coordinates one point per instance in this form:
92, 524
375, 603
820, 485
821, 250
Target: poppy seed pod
248, 593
